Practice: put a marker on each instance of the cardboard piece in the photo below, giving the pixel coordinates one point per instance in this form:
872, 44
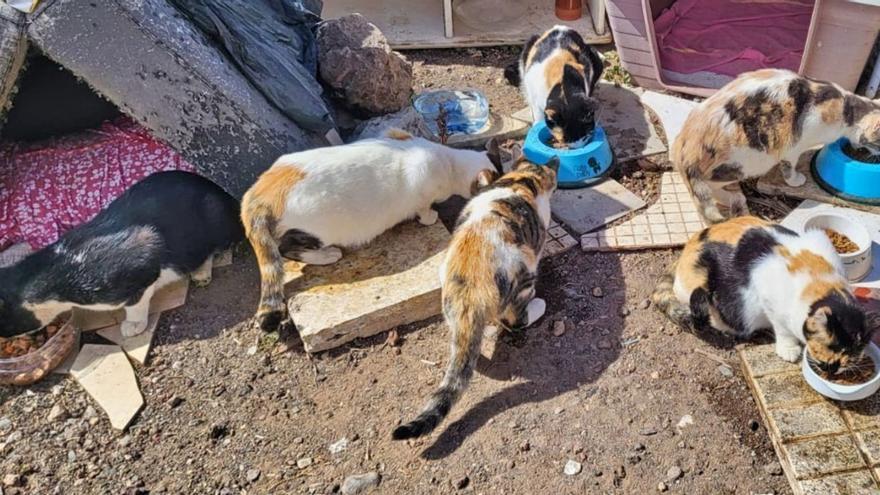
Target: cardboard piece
105, 373
136, 347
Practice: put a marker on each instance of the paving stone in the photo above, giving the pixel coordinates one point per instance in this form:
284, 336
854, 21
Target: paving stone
559, 240
592, 207
815, 419
823, 455
626, 122
390, 282
869, 442
671, 110
784, 389
863, 414
762, 360
857, 483
105, 373
498, 126
136, 347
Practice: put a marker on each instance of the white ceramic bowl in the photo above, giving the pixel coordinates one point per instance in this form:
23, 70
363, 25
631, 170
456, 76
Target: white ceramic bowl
837, 391
858, 264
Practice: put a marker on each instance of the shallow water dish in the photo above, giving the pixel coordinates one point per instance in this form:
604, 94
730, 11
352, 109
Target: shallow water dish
846, 177
837, 391
579, 167
32, 367
858, 264
467, 111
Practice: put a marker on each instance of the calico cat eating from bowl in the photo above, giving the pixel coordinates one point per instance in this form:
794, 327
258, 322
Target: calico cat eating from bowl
557, 73
165, 227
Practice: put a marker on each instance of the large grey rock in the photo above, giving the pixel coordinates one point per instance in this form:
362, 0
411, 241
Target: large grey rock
145, 58
407, 119
356, 61
13, 48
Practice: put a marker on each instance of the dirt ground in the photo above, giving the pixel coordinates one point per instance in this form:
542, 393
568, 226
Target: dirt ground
229, 410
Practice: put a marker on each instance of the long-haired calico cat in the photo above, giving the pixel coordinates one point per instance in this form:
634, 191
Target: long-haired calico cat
488, 275
167, 226
310, 203
747, 274
557, 73
760, 119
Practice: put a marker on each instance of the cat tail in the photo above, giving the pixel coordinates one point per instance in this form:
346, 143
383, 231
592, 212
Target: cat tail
467, 332
664, 300
259, 226
702, 191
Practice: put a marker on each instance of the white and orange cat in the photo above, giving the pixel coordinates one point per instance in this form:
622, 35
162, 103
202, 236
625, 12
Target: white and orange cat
309, 204
761, 119
489, 274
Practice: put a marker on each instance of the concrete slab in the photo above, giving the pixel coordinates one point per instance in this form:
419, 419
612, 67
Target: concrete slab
559, 240
773, 183
499, 126
858, 483
105, 373
172, 80
136, 347
671, 110
392, 281
589, 208
669, 222
806, 421
168, 298
824, 455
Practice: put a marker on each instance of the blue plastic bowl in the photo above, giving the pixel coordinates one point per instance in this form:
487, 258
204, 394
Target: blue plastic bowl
578, 167
845, 177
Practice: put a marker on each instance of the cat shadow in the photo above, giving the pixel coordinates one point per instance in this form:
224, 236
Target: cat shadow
546, 366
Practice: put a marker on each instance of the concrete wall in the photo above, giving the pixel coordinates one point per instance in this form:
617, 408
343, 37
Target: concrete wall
150, 62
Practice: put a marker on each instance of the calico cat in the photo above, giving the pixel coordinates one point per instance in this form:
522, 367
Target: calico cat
760, 119
488, 275
165, 227
308, 204
557, 73
747, 274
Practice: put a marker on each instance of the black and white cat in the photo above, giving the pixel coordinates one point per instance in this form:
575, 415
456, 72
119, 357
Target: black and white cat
163, 228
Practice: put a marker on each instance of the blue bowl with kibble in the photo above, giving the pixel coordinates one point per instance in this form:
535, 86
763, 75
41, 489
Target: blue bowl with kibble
580, 167
838, 173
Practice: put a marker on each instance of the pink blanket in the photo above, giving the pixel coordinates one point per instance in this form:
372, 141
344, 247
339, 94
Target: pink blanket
47, 188
732, 36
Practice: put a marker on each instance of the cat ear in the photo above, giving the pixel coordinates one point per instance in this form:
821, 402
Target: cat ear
553, 164
516, 152
573, 81
818, 321
493, 152
484, 178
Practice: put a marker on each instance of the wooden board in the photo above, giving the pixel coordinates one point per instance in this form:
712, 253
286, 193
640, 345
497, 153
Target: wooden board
412, 24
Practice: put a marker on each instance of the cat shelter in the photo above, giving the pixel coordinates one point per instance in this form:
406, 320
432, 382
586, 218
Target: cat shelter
696, 46
96, 95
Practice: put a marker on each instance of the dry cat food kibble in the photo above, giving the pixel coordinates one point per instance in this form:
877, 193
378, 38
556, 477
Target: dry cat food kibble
861, 154
859, 371
842, 243
25, 344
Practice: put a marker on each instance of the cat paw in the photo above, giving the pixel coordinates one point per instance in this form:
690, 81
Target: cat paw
271, 321
535, 310
790, 352
428, 217
796, 180
132, 328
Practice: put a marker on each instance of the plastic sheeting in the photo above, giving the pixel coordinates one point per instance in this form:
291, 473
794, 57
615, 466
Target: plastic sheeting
273, 44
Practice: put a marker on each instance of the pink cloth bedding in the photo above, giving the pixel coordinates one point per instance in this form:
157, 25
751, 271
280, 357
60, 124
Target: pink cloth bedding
732, 36
50, 187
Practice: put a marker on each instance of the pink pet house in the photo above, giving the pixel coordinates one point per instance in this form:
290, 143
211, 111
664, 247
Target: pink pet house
696, 46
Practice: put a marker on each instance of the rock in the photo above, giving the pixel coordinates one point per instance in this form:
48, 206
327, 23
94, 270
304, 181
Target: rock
661, 487
685, 421
339, 446
57, 413
11, 480
357, 63
5, 423
623, 311
725, 370
124, 441
645, 304
71, 456
558, 327
90, 413
251, 350
647, 432
298, 440
773, 468
655, 375
13, 437
572, 468
598, 292
673, 474
407, 120
304, 462
461, 483
359, 483
252, 475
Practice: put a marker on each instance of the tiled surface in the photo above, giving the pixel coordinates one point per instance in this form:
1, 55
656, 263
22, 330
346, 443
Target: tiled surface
825, 447
559, 241
669, 222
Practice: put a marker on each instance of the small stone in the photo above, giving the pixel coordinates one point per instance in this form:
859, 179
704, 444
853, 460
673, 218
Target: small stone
558, 327
598, 292
685, 421
558, 411
572, 468
71, 456
57, 389
13, 437
298, 440
604, 344
5, 423
90, 412
647, 432
623, 311
661, 487
725, 371
655, 375
252, 475
673, 474
11, 480
645, 304
251, 350
304, 462
461, 483
773, 468
124, 441
339, 446
638, 174
57, 413
358, 483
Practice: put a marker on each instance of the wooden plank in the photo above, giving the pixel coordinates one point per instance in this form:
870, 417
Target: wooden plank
627, 25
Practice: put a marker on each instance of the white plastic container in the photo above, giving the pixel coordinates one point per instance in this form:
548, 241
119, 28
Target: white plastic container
837, 391
858, 264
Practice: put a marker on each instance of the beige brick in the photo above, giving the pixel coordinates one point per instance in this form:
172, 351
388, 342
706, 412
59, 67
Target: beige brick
823, 455
800, 421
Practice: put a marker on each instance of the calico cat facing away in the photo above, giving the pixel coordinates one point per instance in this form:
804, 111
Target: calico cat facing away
747, 274
488, 275
165, 227
760, 119
311, 203
557, 73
